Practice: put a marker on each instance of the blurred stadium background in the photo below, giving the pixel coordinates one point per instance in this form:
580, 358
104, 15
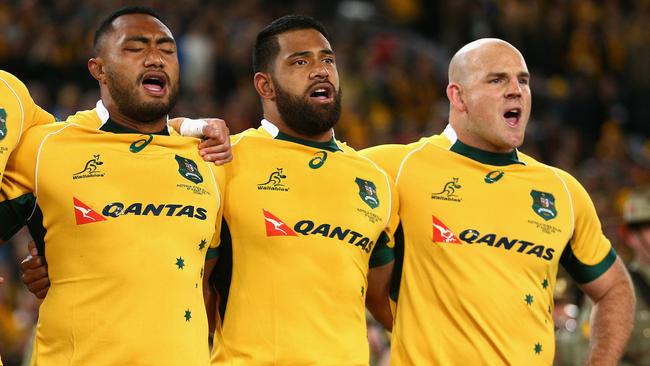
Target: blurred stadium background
589, 61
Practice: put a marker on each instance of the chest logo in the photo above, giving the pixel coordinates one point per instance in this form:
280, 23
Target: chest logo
83, 214
368, 192
441, 233
318, 160
493, 176
274, 182
275, 226
91, 169
139, 145
544, 204
3, 124
448, 192
188, 169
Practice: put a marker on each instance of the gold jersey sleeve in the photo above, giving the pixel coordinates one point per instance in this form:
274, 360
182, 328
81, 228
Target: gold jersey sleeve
18, 112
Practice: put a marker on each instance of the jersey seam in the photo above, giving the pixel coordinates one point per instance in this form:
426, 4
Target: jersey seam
566, 188
401, 165
38, 160
22, 110
216, 186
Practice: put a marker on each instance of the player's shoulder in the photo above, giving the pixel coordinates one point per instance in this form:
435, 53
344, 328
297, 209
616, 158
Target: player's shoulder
34, 136
88, 118
391, 156
10, 83
247, 135
567, 178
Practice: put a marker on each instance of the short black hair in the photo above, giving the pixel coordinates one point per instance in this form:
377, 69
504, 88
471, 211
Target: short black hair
267, 46
107, 23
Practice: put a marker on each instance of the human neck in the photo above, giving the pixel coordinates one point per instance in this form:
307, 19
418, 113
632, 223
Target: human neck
119, 118
277, 120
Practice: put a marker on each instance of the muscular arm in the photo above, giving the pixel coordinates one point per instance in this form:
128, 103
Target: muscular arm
612, 315
377, 300
209, 294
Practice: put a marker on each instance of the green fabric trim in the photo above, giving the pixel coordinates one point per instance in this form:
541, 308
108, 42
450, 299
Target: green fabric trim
14, 214
212, 253
114, 127
583, 273
329, 145
485, 157
381, 253
398, 250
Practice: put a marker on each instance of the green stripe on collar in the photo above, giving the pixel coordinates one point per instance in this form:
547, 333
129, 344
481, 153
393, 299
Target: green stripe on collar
114, 127
485, 157
329, 145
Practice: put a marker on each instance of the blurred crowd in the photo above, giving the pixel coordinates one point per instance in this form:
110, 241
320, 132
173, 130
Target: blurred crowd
588, 59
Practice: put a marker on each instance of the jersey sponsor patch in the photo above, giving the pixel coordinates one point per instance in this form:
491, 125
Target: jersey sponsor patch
83, 214
441, 233
275, 226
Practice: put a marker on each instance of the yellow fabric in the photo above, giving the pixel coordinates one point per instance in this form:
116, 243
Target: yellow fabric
465, 298
299, 300
18, 112
125, 278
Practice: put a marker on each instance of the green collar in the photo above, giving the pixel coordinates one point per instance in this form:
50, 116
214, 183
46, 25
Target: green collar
328, 145
114, 127
486, 157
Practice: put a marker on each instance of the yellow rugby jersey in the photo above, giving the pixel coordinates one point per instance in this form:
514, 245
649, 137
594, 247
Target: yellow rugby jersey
483, 235
304, 222
129, 219
18, 112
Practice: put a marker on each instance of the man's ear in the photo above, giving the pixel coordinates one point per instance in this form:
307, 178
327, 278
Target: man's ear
96, 68
456, 97
264, 85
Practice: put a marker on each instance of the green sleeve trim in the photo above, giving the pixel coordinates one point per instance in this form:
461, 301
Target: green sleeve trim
14, 214
396, 277
212, 253
584, 273
381, 253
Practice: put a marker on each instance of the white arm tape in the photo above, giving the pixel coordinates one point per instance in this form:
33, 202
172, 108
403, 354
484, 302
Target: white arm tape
193, 127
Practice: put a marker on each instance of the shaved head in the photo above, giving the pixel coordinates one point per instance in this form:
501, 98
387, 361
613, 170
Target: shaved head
469, 58
489, 95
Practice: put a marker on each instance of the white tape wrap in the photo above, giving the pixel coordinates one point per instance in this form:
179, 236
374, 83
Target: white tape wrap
193, 127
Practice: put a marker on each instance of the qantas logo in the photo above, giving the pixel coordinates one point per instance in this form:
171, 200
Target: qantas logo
84, 214
275, 226
442, 234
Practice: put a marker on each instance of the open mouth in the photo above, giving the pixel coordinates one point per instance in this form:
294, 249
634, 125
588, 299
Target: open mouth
512, 116
154, 83
322, 93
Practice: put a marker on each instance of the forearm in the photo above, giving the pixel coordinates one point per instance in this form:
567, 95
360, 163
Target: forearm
611, 324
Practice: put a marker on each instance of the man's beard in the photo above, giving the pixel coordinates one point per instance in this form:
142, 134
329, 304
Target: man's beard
130, 104
306, 118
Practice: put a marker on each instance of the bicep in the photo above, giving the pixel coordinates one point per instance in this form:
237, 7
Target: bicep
615, 276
